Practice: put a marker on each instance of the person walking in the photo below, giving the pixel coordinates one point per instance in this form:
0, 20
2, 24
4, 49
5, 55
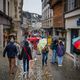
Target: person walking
54, 48
11, 51
26, 56
45, 51
60, 52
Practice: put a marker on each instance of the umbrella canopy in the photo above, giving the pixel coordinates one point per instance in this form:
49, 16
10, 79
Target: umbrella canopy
42, 43
77, 44
75, 39
33, 39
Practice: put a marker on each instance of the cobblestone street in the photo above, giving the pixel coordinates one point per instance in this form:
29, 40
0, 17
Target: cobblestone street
53, 72
37, 72
49, 72
4, 75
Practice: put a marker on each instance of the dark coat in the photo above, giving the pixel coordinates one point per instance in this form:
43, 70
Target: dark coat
60, 50
54, 45
23, 53
11, 50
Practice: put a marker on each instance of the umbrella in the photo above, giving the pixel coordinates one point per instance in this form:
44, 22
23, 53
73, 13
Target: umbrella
33, 39
77, 44
42, 43
75, 39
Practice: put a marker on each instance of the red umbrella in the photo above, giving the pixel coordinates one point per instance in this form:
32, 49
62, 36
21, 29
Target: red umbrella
33, 39
77, 44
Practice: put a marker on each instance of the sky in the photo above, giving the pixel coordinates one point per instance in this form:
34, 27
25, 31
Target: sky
33, 6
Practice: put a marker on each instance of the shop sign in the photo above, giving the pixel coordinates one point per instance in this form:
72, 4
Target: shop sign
78, 22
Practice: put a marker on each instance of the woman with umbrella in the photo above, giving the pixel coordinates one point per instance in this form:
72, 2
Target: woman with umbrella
43, 48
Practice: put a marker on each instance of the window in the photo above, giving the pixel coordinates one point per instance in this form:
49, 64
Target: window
71, 4
8, 7
4, 6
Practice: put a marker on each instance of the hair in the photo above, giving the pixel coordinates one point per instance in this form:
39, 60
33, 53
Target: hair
61, 43
26, 43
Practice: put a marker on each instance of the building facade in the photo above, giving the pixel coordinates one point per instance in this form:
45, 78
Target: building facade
36, 21
16, 14
5, 23
47, 17
10, 19
72, 22
58, 17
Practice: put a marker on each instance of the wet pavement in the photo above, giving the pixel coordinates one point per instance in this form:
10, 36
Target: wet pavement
49, 72
3, 68
53, 72
36, 72
66, 72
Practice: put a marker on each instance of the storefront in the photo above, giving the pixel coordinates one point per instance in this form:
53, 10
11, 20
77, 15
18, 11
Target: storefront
5, 23
72, 26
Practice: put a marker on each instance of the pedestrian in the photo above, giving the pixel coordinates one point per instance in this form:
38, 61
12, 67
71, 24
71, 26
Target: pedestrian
11, 51
26, 56
45, 51
60, 52
54, 48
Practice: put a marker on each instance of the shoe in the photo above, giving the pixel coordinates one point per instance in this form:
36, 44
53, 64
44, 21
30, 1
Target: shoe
27, 75
60, 65
24, 74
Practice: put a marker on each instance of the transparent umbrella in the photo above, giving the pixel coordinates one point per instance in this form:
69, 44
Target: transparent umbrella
42, 43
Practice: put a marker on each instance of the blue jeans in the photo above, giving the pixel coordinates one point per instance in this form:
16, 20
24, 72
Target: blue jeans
54, 56
60, 60
44, 58
26, 65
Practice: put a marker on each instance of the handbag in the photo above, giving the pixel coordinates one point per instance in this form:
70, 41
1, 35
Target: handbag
19, 57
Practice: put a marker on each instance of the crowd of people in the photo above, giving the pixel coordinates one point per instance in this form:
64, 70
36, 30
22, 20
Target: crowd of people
16, 51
